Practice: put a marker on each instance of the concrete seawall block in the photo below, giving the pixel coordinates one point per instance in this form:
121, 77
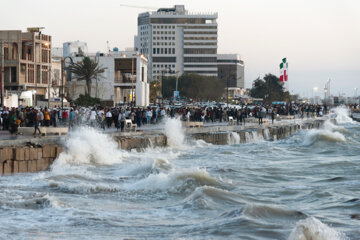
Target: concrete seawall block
27, 153
8, 166
19, 154
58, 151
23, 166
39, 153
16, 167
46, 151
33, 154
32, 166
42, 164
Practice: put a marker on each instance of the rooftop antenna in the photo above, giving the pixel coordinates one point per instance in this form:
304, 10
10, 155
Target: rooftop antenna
108, 47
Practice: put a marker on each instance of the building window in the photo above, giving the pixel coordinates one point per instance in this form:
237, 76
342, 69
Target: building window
164, 59
199, 50
200, 59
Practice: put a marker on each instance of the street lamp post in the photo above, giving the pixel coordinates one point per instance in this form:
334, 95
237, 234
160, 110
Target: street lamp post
2, 74
62, 79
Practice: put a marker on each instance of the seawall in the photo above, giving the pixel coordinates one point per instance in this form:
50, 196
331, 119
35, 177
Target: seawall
37, 154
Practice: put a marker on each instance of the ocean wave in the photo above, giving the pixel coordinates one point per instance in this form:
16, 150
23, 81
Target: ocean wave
207, 197
176, 181
271, 212
322, 135
37, 202
342, 115
313, 229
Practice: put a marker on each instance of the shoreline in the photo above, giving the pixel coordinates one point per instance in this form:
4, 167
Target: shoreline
37, 154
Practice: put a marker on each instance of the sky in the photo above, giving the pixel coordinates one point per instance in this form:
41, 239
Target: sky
319, 38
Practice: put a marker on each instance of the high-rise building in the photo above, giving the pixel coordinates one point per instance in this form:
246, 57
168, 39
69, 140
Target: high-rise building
174, 39
231, 70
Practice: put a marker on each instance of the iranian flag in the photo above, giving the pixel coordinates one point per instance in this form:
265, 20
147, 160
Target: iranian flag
283, 70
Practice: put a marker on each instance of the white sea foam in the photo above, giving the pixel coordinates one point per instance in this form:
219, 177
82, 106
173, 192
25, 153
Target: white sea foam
313, 229
233, 138
89, 146
174, 133
253, 137
324, 135
342, 115
174, 180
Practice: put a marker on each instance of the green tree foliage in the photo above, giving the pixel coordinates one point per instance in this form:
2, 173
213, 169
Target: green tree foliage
86, 100
87, 70
198, 87
270, 89
154, 91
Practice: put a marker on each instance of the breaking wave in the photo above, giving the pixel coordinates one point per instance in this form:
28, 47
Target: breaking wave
233, 138
342, 115
322, 135
313, 229
89, 146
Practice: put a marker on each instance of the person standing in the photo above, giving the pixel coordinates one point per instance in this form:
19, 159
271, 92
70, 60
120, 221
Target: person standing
72, 118
36, 122
108, 118
272, 116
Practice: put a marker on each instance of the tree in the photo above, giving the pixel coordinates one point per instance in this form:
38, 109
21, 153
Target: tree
195, 86
270, 89
87, 70
154, 90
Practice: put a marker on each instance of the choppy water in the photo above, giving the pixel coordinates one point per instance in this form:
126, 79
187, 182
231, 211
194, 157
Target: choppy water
301, 188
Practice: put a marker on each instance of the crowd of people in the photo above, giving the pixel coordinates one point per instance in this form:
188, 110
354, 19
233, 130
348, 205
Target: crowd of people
106, 117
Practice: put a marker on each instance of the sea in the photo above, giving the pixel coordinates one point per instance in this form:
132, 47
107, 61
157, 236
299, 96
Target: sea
304, 187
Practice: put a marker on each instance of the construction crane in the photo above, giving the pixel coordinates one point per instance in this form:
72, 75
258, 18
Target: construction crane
134, 6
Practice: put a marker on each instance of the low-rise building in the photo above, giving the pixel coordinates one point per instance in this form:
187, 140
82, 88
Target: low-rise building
124, 79
25, 64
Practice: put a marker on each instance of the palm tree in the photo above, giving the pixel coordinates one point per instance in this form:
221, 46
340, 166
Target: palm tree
87, 70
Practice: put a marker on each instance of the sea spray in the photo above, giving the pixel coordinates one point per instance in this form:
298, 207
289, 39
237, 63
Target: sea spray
233, 138
175, 133
342, 115
313, 229
89, 146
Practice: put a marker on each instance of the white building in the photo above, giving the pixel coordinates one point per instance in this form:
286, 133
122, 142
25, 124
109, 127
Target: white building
73, 49
174, 39
124, 80
231, 70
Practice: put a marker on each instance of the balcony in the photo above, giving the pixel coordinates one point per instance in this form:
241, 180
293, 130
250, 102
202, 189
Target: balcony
124, 79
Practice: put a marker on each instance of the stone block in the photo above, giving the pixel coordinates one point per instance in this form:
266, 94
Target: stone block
58, 151
9, 153
39, 153
33, 153
16, 167
19, 154
23, 166
42, 164
2, 155
51, 160
46, 151
8, 166
32, 166
52, 151
26, 153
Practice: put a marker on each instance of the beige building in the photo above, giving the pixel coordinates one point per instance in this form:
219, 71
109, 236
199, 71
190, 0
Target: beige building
25, 64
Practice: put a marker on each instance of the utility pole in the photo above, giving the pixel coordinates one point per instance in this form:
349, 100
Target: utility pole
2, 73
62, 79
49, 80
132, 81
